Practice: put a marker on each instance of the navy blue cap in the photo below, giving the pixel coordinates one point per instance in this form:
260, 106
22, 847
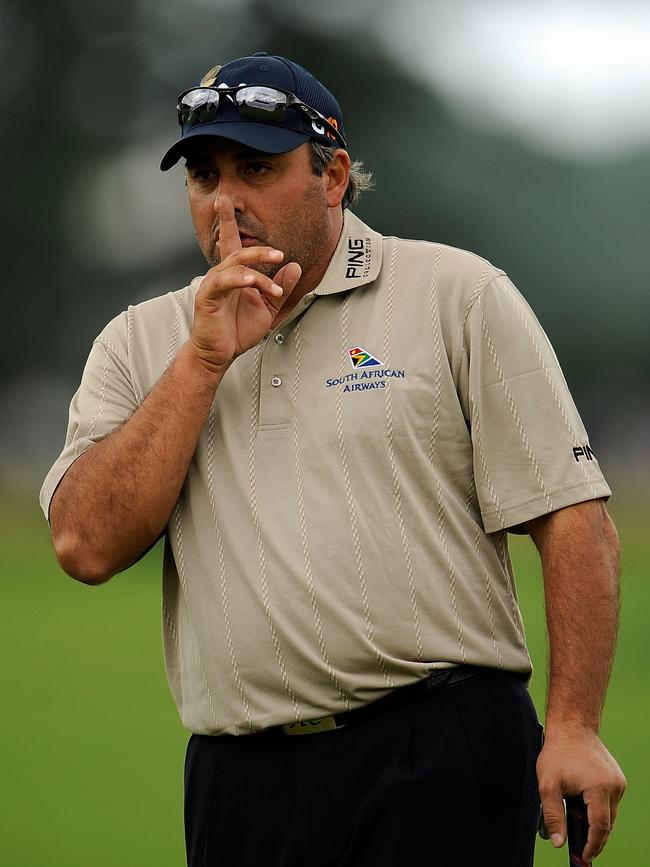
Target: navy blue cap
268, 136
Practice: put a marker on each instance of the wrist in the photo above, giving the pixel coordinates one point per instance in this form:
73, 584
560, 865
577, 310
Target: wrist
567, 728
194, 368
571, 723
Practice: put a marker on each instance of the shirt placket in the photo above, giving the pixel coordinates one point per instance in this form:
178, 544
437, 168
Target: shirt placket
278, 371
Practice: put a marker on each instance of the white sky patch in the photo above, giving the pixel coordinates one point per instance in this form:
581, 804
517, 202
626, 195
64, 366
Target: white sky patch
572, 77
127, 212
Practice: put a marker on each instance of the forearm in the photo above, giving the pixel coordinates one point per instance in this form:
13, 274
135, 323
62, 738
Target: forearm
580, 561
116, 499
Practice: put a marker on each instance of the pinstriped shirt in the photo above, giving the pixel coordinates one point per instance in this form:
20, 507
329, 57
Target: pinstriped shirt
343, 526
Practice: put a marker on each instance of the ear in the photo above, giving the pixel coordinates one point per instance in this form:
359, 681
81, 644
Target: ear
335, 177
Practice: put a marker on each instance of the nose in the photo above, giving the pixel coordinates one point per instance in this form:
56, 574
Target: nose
231, 189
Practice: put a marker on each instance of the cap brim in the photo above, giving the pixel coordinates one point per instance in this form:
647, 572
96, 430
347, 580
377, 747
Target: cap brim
266, 137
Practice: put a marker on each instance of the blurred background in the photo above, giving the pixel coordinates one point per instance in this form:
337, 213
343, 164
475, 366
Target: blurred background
520, 131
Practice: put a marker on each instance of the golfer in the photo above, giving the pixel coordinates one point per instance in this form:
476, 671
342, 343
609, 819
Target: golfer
335, 432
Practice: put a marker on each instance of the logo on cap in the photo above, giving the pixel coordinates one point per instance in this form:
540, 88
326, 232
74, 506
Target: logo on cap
210, 77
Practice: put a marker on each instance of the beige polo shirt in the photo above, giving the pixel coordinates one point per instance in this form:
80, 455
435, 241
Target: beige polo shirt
342, 529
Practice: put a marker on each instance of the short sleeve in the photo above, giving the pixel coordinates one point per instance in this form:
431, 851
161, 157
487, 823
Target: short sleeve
531, 451
104, 400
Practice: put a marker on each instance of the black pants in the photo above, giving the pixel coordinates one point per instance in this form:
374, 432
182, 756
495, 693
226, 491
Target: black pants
447, 780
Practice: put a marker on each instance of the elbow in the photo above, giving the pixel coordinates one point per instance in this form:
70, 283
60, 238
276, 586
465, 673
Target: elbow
613, 541
610, 532
80, 562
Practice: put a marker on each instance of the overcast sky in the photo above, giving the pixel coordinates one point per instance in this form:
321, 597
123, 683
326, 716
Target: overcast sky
571, 77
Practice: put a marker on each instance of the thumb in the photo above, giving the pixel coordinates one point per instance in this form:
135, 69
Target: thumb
287, 277
554, 818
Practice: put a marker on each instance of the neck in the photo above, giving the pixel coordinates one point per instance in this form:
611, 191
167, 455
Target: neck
315, 273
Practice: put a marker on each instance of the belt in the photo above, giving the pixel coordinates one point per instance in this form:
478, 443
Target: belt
439, 679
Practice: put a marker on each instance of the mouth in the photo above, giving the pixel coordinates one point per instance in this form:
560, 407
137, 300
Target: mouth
245, 239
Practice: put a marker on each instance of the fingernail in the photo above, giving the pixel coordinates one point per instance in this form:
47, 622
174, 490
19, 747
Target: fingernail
557, 840
248, 278
277, 290
276, 254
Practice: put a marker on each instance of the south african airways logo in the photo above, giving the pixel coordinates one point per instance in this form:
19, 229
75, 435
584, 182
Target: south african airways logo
365, 366
360, 358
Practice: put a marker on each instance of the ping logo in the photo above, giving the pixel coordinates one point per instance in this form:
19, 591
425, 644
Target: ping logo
360, 358
359, 252
583, 451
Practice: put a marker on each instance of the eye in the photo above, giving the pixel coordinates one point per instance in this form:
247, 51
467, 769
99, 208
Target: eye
256, 168
202, 175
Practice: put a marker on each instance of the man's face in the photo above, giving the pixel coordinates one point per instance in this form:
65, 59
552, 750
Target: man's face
278, 200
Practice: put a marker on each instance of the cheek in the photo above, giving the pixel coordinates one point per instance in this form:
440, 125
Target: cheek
203, 217
201, 209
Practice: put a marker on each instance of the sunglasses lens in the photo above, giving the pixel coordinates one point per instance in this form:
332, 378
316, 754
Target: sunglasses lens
264, 103
257, 102
198, 106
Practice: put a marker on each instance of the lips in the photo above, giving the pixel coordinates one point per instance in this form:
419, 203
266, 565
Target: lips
246, 239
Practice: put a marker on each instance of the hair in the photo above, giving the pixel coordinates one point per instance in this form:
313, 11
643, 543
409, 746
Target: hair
360, 180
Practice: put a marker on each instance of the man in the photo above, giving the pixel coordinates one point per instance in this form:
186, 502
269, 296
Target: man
335, 431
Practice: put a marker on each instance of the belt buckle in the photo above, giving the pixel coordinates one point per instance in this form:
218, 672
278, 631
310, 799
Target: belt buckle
311, 726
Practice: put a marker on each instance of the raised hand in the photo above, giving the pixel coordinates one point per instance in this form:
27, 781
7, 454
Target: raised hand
235, 304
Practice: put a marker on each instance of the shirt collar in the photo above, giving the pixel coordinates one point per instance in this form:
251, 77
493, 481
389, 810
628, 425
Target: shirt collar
356, 260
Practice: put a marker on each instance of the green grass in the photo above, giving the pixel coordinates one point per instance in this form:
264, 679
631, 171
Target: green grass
92, 748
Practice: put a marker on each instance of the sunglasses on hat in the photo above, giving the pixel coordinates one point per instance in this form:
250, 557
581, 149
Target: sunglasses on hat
253, 102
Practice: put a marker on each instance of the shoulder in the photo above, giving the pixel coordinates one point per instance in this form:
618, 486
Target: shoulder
165, 309
155, 320
458, 277
144, 338
423, 247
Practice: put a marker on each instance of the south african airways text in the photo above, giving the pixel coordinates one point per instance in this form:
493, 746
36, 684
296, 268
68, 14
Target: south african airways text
359, 380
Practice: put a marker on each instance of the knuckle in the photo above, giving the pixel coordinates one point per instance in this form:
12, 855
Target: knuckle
601, 827
548, 790
618, 791
552, 817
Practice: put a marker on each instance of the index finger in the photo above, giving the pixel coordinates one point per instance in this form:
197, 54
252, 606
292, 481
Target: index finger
229, 240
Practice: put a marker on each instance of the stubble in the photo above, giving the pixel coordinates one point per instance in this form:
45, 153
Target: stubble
302, 236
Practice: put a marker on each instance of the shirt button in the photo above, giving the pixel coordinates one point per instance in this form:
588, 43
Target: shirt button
276, 381
279, 339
